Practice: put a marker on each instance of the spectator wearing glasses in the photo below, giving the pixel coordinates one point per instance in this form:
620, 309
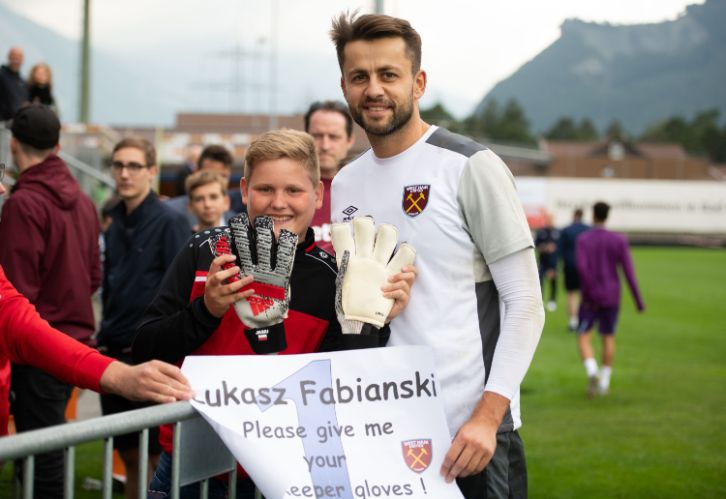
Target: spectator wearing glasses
49, 251
331, 126
141, 242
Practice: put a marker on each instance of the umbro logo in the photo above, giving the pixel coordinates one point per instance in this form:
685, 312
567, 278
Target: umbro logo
348, 212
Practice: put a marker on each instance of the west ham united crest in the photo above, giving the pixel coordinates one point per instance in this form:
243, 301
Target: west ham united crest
415, 199
417, 453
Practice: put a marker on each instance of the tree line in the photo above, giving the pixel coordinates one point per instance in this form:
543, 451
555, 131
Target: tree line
701, 136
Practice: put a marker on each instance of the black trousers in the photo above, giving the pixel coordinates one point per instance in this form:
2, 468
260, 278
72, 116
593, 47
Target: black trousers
39, 400
505, 477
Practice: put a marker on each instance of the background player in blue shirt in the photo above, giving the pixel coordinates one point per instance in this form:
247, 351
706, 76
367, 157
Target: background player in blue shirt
546, 243
568, 236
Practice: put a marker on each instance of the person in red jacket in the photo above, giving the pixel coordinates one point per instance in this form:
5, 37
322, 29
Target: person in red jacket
25, 338
49, 232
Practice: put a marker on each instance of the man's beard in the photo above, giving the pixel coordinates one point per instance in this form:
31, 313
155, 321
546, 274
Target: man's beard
400, 117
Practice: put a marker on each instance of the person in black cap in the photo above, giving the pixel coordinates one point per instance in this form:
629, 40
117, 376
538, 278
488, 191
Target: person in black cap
49, 232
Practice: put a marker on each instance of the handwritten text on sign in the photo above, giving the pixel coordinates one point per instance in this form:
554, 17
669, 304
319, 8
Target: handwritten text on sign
357, 424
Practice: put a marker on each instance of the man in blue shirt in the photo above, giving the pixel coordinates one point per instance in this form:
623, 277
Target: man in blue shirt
546, 242
568, 236
143, 239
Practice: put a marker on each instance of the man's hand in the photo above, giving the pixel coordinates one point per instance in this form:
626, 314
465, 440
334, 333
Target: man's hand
398, 289
218, 294
369, 279
476, 440
155, 380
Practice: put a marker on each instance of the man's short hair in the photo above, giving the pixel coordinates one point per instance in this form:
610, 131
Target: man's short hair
334, 106
142, 145
285, 143
578, 213
600, 211
215, 152
204, 177
349, 28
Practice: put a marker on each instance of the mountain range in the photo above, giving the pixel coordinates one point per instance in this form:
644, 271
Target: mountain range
637, 74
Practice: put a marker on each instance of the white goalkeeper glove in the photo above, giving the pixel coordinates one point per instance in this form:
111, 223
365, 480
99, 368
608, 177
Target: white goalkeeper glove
269, 262
364, 266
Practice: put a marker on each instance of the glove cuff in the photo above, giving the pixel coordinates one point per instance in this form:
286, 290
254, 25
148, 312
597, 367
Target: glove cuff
267, 340
369, 330
358, 328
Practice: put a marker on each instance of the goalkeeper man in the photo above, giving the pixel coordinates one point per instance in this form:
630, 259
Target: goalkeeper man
213, 302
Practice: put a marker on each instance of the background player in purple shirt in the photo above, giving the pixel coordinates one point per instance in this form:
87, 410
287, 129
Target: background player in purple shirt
599, 253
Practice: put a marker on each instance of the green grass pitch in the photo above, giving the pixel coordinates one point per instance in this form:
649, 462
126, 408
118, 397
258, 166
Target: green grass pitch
660, 432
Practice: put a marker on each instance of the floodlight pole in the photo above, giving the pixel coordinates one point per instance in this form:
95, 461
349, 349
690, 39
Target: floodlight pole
274, 13
84, 110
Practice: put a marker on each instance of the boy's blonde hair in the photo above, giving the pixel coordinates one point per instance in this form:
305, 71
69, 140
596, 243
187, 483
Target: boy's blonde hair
204, 177
285, 143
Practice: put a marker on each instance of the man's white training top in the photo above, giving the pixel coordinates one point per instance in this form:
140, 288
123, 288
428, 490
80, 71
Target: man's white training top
455, 202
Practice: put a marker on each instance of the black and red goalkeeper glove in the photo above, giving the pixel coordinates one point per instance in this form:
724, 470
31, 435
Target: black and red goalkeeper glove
269, 262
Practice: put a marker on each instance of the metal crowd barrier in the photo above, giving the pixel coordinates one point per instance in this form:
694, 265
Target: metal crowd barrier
5, 143
198, 453
97, 184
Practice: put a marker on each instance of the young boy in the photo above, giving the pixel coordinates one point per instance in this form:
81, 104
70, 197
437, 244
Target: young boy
208, 199
192, 312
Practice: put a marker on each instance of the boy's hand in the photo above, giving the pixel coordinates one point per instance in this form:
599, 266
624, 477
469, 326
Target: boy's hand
224, 285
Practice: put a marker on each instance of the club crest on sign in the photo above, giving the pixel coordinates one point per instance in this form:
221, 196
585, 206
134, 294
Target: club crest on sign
415, 199
417, 453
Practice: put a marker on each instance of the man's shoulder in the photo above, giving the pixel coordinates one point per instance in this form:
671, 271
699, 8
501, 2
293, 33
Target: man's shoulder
25, 200
177, 203
621, 238
586, 237
354, 165
166, 214
454, 142
575, 228
601, 235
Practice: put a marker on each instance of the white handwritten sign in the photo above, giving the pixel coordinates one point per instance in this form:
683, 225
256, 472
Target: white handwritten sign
364, 424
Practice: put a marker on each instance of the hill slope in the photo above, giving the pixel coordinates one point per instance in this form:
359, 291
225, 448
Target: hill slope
637, 74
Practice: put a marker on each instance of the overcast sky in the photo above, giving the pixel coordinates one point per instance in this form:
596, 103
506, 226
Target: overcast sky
468, 46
